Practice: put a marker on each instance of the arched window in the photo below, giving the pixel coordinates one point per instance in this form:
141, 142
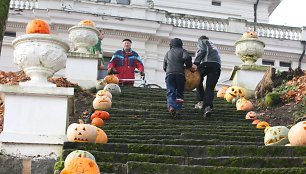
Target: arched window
124, 2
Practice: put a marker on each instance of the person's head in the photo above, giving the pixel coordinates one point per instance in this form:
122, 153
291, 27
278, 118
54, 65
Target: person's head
176, 42
127, 43
203, 38
101, 34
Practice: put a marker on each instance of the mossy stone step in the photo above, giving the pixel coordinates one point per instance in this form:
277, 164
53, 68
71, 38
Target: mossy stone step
149, 168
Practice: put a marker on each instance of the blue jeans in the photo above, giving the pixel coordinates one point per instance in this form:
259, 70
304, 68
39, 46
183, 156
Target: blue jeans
175, 90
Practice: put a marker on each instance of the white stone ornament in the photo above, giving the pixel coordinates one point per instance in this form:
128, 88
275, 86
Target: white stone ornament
249, 50
39, 56
83, 38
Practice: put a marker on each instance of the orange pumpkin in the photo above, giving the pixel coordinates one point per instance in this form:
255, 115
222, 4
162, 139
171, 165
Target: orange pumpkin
100, 114
97, 122
250, 34
255, 122
38, 26
104, 92
87, 22
243, 104
262, 125
102, 137
297, 134
251, 115
192, 79
221, 91
81, 164
112, 78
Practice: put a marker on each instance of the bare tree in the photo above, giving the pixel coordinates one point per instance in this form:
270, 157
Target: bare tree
4, 9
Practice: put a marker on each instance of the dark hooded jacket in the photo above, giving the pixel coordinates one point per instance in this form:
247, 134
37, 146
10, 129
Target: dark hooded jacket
207, 52
176, 58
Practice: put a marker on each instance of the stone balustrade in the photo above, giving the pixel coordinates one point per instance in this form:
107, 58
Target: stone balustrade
23, 4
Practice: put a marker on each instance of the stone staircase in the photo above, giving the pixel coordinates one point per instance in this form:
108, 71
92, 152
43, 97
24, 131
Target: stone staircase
143, 139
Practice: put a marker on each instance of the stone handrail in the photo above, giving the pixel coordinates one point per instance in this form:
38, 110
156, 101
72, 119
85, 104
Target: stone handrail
23, 4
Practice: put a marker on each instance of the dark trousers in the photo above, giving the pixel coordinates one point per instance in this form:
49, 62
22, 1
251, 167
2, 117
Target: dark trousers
212, 72
175, 90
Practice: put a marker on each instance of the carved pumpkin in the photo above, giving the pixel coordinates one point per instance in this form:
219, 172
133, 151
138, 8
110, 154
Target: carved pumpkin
221, 91
112, 78
82, 165
102, 103
77, 153
81, 133
250, 34
255, 122
235, 92
192, 79
262, 125
100, 114
87, 22
276, 135
97, 122
102, 137
100, 84
104, 92
297, 134
243, 104
251, 115
38, 26
114, 89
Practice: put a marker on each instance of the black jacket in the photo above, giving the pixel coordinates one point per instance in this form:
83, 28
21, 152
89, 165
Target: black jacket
176, 58
206, 52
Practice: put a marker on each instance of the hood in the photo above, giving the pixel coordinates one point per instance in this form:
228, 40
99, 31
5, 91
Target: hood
176, 42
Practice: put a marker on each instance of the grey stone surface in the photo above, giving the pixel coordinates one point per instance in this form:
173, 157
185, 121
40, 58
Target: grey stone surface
10, 165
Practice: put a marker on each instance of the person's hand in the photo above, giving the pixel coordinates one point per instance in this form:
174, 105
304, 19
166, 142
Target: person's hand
112, 71
142, 74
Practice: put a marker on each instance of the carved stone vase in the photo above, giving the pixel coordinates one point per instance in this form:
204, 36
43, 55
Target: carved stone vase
249, 50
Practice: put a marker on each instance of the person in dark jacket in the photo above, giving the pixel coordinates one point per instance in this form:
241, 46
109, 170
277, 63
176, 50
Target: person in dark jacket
208, 62
174, 63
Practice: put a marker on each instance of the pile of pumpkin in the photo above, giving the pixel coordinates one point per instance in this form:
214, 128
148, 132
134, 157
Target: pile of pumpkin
109, 83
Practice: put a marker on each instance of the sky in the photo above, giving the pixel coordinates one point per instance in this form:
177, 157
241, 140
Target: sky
289, 13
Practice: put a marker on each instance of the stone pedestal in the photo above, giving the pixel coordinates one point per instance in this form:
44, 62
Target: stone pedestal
35, 120
82, 69
248, 76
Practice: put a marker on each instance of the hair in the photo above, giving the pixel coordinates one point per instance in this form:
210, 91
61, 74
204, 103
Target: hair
203, 37
127, 40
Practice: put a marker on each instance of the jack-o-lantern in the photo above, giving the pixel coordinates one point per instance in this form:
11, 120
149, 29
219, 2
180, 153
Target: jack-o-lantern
38, 26
221, 91
262, 125
192, 79
102, 137
250, 34
255, 121
276, 135
87, 22
243, 104
81, 164
97, 122
297, 134
100, 84
77, 153
102, 103
114, 89
100, 114
112, 78
104, 92
235, 92
251, 115
81, 133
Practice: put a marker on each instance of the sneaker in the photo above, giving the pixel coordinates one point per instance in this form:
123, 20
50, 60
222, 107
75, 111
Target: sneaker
199, 105
172, 112
207, 111
179, 100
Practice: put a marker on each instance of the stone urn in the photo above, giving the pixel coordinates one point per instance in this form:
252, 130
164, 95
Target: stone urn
249, 48
83, 37
40, 56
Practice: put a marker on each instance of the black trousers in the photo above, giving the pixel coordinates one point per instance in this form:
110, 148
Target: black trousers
212, 72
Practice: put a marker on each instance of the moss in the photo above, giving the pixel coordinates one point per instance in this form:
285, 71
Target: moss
59, 165
272, 99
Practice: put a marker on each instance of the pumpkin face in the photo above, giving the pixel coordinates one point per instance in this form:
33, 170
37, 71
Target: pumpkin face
251, 115
192, 79
97, 122
100, 114
81, 165
104, 92
102, 137
100, 84
81, 133
250, 34
297, 134
112, 78
276, 135
86, 22
114, 89
234, 92
102, 103
221, 92
38, 26
243, 104
262, 125
77, 153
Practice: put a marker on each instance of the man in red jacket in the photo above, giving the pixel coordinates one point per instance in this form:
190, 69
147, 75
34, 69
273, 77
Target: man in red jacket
124, 62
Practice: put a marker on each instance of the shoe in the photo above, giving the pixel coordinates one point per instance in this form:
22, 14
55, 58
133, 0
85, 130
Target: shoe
177, 113
207, 111
199, 105
172, 112
179, 100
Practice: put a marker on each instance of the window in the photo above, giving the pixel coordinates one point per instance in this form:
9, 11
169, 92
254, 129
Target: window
106, 1
124, 2
268, 62
10, 34
216, 3
285, 64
